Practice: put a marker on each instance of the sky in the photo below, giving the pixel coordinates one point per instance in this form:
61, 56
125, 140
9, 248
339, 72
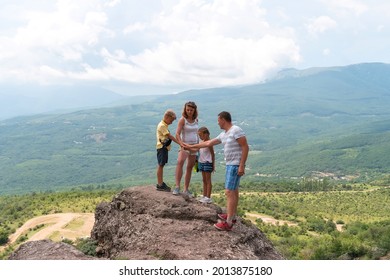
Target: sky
165, 46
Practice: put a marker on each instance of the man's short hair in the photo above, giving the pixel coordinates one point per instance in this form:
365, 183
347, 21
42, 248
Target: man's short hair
226, 116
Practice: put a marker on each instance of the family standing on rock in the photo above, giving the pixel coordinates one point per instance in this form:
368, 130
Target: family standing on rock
235, 150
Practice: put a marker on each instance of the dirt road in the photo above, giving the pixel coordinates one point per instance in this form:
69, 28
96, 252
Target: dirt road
268, 219
58, 226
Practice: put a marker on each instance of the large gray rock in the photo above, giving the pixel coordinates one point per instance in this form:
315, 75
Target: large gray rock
142, 223
48, 250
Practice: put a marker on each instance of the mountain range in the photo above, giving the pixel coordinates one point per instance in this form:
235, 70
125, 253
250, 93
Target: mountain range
333, 120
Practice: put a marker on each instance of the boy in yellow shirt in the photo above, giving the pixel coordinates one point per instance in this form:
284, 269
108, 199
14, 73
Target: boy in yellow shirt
164, 139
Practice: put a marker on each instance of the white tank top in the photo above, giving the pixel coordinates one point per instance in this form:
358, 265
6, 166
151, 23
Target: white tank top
189, 133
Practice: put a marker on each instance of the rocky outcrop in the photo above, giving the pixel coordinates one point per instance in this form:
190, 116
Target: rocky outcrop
142, 223
48, 250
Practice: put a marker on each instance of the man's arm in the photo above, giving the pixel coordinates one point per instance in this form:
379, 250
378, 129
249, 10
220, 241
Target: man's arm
208, 143
245, 150
212, 156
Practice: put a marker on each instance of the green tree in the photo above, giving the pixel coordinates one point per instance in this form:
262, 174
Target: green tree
3, 238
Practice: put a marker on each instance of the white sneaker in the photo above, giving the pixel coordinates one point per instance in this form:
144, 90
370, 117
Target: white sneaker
205, 199
188, 193
176, 191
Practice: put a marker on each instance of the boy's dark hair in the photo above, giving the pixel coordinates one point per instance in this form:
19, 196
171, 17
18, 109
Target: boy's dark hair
226, 116
192, 105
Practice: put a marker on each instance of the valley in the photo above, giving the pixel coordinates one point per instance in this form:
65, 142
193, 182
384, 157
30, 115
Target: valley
319, 140
300, 125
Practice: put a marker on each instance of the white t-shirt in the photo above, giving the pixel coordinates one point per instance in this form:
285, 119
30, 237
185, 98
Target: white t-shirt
232, 149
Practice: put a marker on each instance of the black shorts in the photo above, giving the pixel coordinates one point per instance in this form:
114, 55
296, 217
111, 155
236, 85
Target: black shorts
162, 156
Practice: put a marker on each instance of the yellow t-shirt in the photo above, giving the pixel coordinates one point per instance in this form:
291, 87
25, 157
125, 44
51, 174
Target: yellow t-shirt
162, 134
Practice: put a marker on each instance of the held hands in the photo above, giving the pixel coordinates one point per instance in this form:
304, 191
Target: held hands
186, 146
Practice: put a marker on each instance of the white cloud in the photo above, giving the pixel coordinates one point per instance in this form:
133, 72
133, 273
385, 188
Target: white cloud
200, 18
189, 43
209, 43
112, 3
51, 38
136, 27
380, 28
321, 24
215, 61
353, 6
326, 52
197, 43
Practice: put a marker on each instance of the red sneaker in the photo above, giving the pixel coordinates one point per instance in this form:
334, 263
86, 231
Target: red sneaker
223, 226
224, 217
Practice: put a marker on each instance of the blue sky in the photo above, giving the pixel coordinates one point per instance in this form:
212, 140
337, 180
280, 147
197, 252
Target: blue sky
166, 46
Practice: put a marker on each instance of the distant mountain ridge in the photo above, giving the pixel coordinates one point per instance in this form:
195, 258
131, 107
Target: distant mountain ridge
30, 100
334, 120
24, 100
362, 69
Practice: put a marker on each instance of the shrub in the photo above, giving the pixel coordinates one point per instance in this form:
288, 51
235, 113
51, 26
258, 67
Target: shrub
87, 246
3, 238
67, 241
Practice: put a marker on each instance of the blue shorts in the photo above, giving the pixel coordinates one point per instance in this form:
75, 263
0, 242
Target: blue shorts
232, 180
205, 166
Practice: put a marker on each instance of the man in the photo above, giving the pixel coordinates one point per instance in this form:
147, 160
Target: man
236, 153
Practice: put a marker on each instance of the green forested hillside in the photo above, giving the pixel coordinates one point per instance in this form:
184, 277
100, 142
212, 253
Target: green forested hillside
325, 225
353, 153
49, 152
318, 120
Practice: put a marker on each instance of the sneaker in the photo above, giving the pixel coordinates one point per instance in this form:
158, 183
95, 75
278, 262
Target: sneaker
200, 197
163, 187
176, 191
188, 193
223, 226
205, 199
224, 217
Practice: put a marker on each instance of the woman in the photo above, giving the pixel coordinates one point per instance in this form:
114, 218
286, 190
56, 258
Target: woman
186, 132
